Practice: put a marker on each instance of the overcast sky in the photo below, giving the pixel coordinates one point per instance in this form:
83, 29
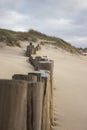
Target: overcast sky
66, 19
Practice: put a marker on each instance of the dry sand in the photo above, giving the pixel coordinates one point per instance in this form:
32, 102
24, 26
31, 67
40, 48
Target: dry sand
70, 90
13, 61
70, 83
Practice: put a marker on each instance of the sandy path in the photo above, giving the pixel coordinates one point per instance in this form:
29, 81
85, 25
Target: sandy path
70, 90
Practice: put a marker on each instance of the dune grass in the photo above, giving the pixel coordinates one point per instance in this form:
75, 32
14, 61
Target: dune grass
13, 38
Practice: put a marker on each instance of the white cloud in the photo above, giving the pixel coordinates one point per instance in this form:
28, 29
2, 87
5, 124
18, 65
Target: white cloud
82, 3
51, 24
77, 41
12, 19
59, 22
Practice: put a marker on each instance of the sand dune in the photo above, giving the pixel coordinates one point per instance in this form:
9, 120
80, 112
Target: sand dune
70, 83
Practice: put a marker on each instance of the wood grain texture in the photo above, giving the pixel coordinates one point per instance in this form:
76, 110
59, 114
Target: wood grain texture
13, 105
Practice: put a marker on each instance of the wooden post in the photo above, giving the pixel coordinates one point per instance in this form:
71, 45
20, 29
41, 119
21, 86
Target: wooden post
35, 93
29, 98
28, 52
36, 104
48, 65
13, 100
32, 61
38, 47
33, 50
36, 60
20, 77
46, 124
34, 76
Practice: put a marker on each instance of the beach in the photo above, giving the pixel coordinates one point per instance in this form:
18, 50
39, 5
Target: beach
70, 89
69, 82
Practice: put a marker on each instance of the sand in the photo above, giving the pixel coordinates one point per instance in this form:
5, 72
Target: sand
70, 83
13, 61
70, 90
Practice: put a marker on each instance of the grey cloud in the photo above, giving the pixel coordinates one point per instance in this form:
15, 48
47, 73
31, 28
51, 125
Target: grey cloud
65, 19
80, 17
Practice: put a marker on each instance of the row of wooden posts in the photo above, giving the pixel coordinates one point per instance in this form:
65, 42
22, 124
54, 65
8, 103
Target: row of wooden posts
31, 49
26, 101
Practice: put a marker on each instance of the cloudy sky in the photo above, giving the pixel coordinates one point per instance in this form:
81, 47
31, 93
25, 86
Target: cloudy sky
66, 19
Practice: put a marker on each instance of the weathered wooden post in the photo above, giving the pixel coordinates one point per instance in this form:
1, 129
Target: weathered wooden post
20, 77
36, 104
30, 50
36, 60
48, 65
46, 124
44, 58
34, 99
29, 97
13, 100
43, 93
33, 50
37, 98
38, 47
34, 76
32, 61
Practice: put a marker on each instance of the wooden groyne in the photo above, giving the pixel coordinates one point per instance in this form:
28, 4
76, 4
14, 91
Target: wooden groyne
26, 101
